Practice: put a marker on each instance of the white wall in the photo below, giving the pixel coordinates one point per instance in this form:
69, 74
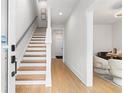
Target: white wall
25, 15
102, 38
41, 4
75, 53
20, 49
55, 30
107, 37
117, 35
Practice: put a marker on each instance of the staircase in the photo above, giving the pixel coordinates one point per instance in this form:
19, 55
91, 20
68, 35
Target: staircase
32, 69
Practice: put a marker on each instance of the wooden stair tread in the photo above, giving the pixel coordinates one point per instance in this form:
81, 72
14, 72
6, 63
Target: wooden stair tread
35, 50
37, 46
33, 40
33, 61
37, 42
39, 33
34, 55
38, 36
42, 33
35, 68
30, 77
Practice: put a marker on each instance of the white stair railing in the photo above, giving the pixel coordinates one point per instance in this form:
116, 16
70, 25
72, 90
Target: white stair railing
48, 42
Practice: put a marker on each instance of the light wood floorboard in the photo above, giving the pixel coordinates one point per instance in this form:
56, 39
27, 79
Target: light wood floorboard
64, 81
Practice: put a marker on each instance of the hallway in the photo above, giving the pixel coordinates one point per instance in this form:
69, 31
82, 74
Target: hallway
35, 33
64, 81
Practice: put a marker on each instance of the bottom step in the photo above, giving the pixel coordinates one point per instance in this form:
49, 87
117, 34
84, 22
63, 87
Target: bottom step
30, 77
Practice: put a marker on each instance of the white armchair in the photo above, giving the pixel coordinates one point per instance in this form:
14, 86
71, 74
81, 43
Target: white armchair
116, 70
101, 65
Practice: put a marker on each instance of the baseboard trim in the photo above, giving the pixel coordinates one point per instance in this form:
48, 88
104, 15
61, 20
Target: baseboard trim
77, 74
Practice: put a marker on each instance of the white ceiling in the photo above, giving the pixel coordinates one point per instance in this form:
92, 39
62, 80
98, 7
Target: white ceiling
103, 13
105, 10
64, 6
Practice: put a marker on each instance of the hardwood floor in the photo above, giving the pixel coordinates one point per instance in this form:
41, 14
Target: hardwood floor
64, 81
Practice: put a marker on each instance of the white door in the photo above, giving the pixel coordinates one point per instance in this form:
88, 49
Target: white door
4, 46
59, 47
11, 45
59, 44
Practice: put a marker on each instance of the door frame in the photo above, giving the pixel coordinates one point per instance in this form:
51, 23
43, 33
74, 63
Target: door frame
54, 29
4, 46
56, 44
63, 45
11, 30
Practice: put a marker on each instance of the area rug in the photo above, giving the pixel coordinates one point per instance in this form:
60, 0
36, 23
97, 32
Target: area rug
108, 78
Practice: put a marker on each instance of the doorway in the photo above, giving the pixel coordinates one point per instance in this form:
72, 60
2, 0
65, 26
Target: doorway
107, 53
8, 46
4, 50
57, 44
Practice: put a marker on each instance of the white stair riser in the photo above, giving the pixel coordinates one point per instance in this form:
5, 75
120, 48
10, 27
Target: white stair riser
36, 82
37, 41
30, 72
36, 44
32, 64
35, 53
36, 48
43, 38
37, 34
34, 58
38, 38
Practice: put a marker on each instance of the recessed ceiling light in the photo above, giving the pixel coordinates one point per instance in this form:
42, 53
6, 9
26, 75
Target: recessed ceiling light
60, 13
